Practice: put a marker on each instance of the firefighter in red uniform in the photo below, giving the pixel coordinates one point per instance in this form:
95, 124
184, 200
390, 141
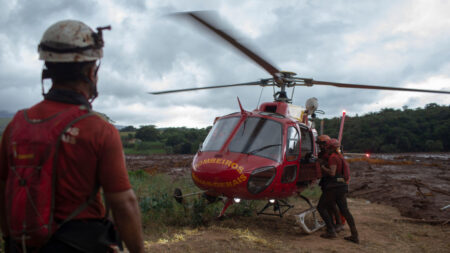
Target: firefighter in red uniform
335, 190
86, 155
323, 156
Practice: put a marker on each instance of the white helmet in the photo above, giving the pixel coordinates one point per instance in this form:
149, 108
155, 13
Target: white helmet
71, 41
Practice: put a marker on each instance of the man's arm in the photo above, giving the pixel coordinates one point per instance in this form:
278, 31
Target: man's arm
127, 217
330, 171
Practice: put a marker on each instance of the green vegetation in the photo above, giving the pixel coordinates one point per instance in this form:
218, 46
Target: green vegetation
160, 210
407, 130
313, 193
150, 140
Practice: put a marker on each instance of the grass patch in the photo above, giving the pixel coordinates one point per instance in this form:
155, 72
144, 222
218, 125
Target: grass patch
145, 148
160, 210
132, 151
312, 193
127, 134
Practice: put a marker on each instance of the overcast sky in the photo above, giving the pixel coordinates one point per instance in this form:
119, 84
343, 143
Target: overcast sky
391, 43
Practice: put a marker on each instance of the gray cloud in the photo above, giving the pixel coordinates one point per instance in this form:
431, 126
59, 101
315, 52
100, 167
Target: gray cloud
394, 43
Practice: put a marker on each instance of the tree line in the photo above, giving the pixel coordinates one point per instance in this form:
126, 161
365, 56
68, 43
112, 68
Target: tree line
179, 140
390, 130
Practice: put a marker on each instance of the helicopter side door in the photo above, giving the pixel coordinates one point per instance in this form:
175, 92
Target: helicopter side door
289, 165
309, 166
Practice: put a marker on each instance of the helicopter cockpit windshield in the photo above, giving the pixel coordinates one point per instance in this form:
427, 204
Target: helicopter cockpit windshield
258, 136
219, 133
255, 136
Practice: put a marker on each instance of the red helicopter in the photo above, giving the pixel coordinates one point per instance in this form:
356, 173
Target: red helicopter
268, 153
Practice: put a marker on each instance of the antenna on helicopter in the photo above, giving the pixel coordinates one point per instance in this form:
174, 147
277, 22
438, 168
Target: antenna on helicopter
240, 106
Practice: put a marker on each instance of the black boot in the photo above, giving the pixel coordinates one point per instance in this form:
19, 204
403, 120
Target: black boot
330, 234
354, 237
339, 228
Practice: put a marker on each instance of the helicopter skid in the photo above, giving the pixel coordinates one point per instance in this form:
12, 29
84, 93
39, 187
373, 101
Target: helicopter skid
279, 205
314, 224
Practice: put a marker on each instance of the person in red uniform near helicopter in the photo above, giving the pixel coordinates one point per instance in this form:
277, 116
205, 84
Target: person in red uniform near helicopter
323, 156
86, 155
335, 189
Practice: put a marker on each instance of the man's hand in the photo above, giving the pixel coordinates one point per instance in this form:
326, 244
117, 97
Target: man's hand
127, 217
330, 171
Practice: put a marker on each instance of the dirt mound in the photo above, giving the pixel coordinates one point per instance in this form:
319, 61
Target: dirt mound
174, 165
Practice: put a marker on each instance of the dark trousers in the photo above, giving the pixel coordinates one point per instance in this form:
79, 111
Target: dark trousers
335, 196
77, 236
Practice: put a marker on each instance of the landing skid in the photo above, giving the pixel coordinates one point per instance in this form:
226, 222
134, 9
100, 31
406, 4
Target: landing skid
315, 224
278, 205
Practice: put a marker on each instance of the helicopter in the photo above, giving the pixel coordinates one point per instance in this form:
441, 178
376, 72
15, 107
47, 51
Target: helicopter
269, 153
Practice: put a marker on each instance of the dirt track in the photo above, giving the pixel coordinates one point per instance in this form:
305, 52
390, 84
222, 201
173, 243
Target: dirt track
408, 187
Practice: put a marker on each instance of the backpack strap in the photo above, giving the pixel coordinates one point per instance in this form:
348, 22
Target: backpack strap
55, 161
81, 207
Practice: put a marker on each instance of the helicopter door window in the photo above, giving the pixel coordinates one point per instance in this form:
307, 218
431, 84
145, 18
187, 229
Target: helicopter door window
307, 143
258, 136
219, 134
293, 144
289, 174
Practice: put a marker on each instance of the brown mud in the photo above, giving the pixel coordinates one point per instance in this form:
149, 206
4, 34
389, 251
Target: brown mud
418, 185
394, 198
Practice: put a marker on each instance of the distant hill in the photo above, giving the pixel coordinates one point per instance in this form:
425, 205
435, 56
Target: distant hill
390, 130
5, 114
5, 118
3, 123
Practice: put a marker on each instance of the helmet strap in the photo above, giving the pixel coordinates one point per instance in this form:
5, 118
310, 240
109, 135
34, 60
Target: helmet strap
92, 86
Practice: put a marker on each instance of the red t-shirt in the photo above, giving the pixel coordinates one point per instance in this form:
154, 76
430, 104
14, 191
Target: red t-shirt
93, 156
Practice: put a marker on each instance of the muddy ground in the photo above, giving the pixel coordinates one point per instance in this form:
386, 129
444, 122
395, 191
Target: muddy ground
394, 199
417, 184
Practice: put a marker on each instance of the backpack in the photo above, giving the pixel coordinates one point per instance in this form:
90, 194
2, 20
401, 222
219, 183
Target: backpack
30, 187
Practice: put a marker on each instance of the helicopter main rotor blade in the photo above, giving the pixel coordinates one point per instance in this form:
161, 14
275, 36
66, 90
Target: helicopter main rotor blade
199, 17
261, 82
373, 87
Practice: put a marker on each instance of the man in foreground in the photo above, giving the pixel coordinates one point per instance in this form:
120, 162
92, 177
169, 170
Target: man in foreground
56, 155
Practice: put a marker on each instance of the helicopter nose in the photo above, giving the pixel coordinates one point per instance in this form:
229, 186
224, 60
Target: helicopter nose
219, 173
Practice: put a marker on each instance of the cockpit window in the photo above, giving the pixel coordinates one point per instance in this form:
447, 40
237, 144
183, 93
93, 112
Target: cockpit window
260, 137
219, 134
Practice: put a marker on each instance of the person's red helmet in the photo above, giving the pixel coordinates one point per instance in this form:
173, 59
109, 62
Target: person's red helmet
332, 144
322, 139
